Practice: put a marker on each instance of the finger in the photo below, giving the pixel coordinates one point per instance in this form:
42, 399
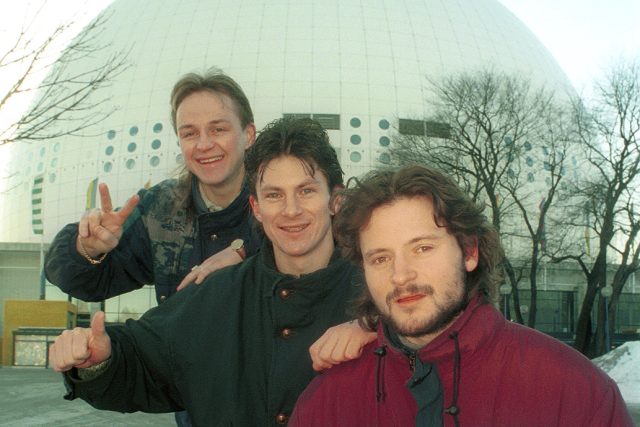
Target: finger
79, 349
188, 279
94, 221
97, 325
105, 198
203, 272
83, 226
128, 207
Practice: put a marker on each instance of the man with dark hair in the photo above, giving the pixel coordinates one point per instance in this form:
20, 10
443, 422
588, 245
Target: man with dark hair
233, 351
445, 355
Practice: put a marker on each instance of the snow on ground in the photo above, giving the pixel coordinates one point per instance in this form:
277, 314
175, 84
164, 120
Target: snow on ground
623, 365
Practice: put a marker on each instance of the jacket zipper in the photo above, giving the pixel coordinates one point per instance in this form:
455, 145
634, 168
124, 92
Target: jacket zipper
412, 362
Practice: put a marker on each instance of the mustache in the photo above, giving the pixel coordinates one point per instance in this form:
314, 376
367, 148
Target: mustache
413, 288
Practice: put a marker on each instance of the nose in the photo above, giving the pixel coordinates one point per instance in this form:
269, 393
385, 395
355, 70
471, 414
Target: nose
403, 272
291, 206
205, 141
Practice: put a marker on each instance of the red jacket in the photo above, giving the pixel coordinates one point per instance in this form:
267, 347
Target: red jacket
508, 375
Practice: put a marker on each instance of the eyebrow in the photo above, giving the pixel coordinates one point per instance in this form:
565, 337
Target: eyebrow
431, 236
308, 181
212, 122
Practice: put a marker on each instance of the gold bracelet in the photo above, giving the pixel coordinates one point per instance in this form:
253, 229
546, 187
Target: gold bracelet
85, 254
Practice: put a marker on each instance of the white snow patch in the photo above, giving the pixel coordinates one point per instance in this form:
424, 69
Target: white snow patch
623, 365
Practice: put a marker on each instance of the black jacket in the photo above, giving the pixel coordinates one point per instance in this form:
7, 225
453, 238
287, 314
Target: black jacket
233, 351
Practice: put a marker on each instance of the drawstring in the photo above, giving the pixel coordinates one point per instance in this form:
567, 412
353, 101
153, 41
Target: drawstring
453, 408
380, 352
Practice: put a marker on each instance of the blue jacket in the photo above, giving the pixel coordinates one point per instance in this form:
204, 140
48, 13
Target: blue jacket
168, 233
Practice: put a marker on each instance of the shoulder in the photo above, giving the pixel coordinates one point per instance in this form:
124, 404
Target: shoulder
552, 359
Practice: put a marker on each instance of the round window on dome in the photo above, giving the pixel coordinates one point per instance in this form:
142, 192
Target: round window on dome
355, 157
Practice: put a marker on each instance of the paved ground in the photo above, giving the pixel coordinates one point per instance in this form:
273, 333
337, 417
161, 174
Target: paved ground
33, 397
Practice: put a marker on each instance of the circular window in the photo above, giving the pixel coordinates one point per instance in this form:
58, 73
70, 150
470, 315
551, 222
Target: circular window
154, 161
530, 177
385, 158
527, 146
157, 128
40, 166
384, 124
52, 177
131, 147
133, 131
355, 157
355, 122
107, 167
355, 139
54, 162
42, 151
56, 147
131, 164
384, 141
155, 144
109, 150
529, 161
111, 134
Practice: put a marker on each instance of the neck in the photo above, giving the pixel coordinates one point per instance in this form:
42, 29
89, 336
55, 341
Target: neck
416, 343
222, 195
307, 263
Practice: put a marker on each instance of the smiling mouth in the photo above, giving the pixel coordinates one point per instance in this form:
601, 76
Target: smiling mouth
294, 228
210, 160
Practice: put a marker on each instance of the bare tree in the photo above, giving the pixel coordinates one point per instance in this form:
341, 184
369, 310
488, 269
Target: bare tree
608, 132
492, 123
63, 104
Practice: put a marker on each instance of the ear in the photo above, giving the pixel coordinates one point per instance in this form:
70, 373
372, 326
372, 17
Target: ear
471, 254
255, 207
250, 133
336, 199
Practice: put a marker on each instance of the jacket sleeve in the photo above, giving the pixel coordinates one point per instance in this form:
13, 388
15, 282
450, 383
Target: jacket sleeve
139, 376
128, 267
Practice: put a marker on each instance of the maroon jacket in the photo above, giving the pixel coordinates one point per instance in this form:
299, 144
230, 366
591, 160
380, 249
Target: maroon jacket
505, 375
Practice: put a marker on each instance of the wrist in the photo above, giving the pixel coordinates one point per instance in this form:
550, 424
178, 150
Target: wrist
85, 254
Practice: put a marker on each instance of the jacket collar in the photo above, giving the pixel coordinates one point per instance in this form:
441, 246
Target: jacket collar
477, 324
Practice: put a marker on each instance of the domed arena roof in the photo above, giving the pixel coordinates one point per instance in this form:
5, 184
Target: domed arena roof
356, 66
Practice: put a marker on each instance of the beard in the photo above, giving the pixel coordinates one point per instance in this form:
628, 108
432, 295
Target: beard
416, 323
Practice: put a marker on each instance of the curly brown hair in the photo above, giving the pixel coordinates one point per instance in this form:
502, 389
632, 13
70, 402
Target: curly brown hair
453, 209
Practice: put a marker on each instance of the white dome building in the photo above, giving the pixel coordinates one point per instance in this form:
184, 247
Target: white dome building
358, 67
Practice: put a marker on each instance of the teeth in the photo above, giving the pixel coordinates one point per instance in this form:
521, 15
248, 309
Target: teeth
294, 229
210, 160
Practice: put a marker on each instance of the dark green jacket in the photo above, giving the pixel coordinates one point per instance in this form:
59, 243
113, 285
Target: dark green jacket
232, 351
169, 232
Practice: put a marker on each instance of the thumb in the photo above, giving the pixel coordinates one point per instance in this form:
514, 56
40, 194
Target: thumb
97, 325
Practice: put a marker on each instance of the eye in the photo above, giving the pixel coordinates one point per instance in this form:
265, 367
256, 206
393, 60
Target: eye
379, 260
423, 248
187, 134
272, 196
307, 191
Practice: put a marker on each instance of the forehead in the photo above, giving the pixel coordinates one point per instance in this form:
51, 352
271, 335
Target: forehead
289, 170
402, 219
206, 102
